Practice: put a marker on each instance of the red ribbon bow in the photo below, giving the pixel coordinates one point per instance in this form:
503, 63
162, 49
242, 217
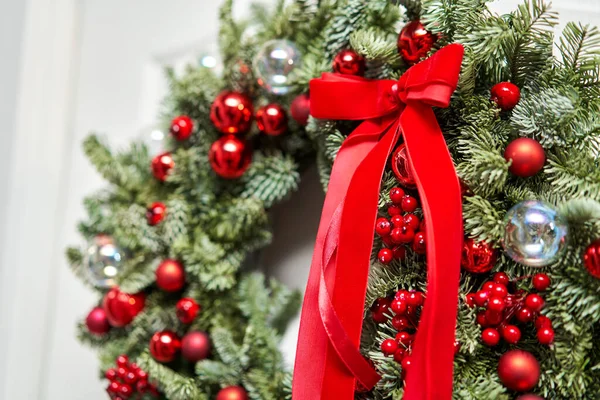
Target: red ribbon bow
328, 360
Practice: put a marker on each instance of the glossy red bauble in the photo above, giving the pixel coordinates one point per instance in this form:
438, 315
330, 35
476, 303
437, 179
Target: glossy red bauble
170, 275
164, 346
527, 156
591, 259
187, 310
402, 167
230, 157
415, 42
162, 164
121, 308
156, 213
506, 95
490, 337
232, 393
97, 322
519, 370
541, 282
300, 109
195, 346
182, 127
349, 62
231, 112
272, 119
477, 257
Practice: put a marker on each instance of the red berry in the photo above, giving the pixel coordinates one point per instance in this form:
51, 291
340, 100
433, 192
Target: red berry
406, 363
488, 286
130, 378
389, 347
399, 306
490, 337
534, 302
481, 298
401, 323
457, 347
511, 334
412, 220
125, 391
399, 355
415, 299
122, 361
121, 372
401, 294
419, 245
409, 203
404, 338
403, 234
134, 367
399, 252
379, 317
499, 290
541, 282
545, 336
142, 386
493, 317
394, 210
470, 300
481, 319
113, 387
182, 127
543, 322
383, 227
496, 304
397, 221
387, 240
411, 313
506, 95
502, 278
381, 304
385, 256
396, 195
524, 315
111, 374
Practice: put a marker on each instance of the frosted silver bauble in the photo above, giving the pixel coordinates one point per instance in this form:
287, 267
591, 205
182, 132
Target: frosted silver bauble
535, 234
103, 261
274, 64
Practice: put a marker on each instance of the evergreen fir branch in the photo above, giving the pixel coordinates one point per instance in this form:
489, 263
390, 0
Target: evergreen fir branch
237, 219
374, 45
347, 19
230, 34
134, 232
216, 372
284, 304
262, 386
106, 164
579, 47
228, 351
175, 386
574, 177
482, 219
176, 222
333, 142
139, 276
221, 275
412, 7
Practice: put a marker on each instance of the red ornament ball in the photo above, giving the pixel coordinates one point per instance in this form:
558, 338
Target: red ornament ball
230, 157
164, 346
527, 156
121, 308
519, 370
541, 282
300, 109
170, 275
97, 322
415, 42
195, 346
232, 393
402, 167
187, 310
349, 62
477, 257
490, 337
162, 164
506, 95
182, 127
591, 259
272, 119
231, 112
156, 213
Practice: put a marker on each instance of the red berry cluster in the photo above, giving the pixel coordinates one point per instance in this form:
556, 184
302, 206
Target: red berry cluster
499, 308
128, 381
401, 229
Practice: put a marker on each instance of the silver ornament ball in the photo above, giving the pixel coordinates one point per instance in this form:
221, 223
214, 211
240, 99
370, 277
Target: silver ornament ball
535, 234
104, 261
274, 64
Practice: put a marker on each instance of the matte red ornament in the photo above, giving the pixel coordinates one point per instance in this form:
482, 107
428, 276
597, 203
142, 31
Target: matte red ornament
195, 346
187, 310
519, 370
527, 156
349, 62
591, 259
182, 127
300, 109
490, 337
97, 322
121, 308
477, 257
164, 346
415, 42
170, 275
231, 112
155, 213
541, 282
385, 256
506, 95
162, 164
272, 119
402, 169
232, 393
230, 157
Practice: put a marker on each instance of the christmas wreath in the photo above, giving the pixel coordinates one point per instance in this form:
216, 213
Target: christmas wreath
458, 265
